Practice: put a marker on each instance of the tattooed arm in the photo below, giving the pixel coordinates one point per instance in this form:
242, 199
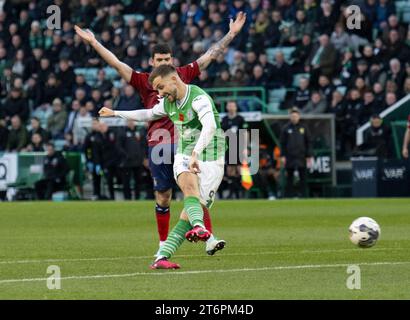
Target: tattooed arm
219, 47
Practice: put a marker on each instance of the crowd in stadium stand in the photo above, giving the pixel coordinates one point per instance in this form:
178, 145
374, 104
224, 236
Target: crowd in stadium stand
352, 73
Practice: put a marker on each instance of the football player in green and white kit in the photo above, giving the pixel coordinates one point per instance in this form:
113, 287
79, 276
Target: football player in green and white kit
199, 162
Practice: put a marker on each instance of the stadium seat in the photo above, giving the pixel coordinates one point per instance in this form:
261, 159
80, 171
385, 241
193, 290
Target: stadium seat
111, 73
90, 74
117, 83
59, 144
277, 95
403, 10
342, 89
138, 17
273, 107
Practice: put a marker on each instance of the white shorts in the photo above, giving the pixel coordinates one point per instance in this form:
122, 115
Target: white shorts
210, 177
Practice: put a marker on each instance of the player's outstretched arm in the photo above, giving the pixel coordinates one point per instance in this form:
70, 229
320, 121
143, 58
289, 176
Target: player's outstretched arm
157, 112
124, 70
219, 47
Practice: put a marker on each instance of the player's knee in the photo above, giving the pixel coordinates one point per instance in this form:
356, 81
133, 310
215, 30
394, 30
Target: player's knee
190, 190
163, 198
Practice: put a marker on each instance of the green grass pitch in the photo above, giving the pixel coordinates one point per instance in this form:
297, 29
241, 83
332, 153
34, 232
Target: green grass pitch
296, 249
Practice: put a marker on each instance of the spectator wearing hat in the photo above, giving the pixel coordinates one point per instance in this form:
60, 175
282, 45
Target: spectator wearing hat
296, 153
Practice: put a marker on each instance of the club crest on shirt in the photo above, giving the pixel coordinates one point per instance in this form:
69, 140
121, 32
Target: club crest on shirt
302, 130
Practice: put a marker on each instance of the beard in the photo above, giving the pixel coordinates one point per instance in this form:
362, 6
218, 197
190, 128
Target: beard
172, 97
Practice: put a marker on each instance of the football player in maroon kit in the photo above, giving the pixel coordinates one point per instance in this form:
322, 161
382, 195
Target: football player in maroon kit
161, 139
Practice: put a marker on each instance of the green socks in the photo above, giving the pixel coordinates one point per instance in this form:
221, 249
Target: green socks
194, 211
175, 239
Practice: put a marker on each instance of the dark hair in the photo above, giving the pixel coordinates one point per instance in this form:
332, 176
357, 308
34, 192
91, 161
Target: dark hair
161, 48
161, 71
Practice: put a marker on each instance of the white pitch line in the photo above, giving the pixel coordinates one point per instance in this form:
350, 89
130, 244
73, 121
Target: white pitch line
272, 268
27, 261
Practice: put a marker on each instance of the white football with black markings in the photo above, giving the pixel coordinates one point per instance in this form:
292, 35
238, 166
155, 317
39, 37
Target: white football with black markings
364, 232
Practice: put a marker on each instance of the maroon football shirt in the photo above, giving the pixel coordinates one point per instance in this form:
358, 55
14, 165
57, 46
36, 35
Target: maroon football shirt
149, 97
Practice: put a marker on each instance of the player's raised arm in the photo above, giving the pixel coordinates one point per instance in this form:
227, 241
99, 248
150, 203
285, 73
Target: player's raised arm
124, 70
219, 47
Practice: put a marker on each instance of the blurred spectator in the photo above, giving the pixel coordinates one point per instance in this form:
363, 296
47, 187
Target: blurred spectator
103, 85
353, 109
326, 88
281, 76
300, 27
369, 107
204, 81
43, 112
377, 139
55, 169
93, 154
51, 90
129, 100
396, 72
36, 128
301, 53
132, 146
69, 145
81, 122
66, 76
4, 133
234, 126
316, 105
18, 135
72, 115
36, 144
296, 153
111, 156
302, 95
80, 83
224, 79
336, 107
268, 174
258, 79
340, 39
322, 60
390, 99
57, 120
14, 105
